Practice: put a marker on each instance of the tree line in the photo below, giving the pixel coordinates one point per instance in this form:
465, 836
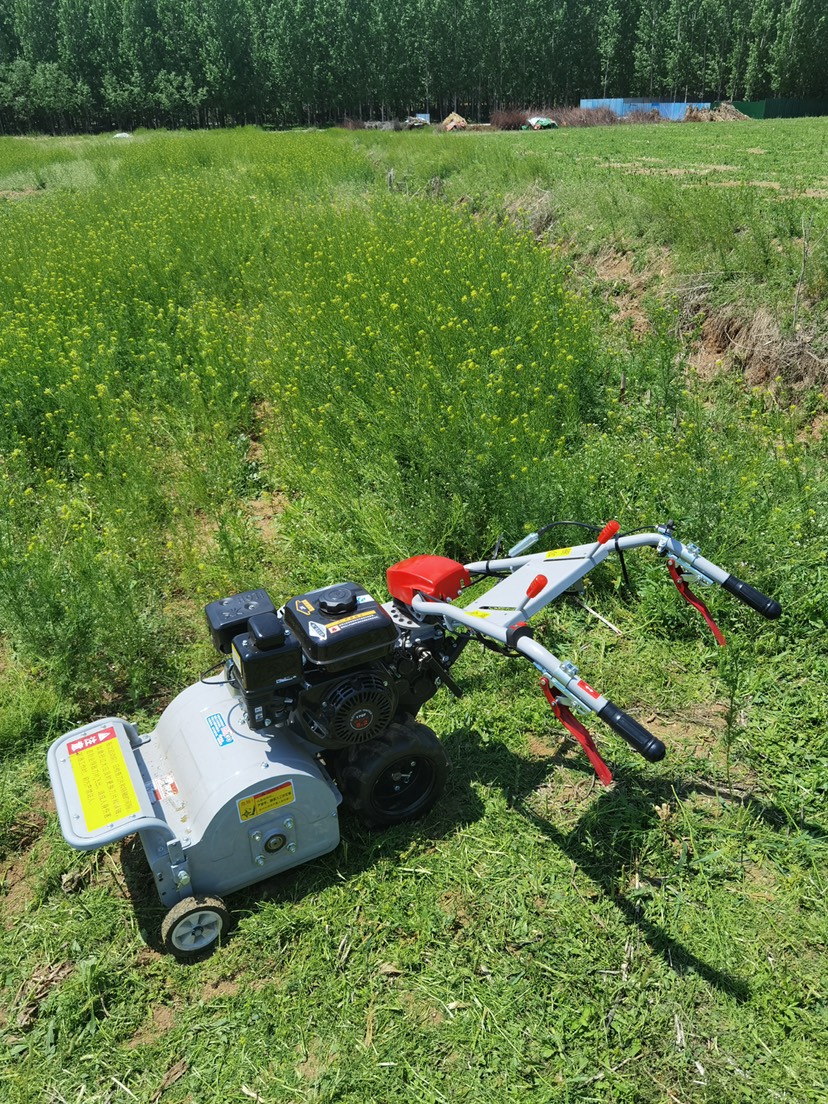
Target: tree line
98, 64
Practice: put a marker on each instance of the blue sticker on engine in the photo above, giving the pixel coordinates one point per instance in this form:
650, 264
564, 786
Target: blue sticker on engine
220, 729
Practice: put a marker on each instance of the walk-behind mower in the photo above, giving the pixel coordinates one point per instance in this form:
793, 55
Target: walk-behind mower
314, 704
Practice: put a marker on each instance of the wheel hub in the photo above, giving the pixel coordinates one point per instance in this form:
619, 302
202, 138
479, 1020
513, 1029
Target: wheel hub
404, 777
194, 932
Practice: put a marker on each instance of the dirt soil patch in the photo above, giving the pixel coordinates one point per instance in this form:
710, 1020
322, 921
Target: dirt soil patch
763, 352
624, 289
26, 835
701, 170
697, 735
33, 994
264, 512
17, 891
21, 193
772, 184
161, 1021
755, 345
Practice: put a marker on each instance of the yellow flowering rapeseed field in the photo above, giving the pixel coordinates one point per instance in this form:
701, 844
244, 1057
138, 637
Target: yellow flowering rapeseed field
195, 321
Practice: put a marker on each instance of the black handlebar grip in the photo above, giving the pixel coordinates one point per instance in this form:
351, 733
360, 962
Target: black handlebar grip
634, 733
758, 601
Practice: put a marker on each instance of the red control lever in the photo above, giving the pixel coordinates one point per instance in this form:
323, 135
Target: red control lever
696, 602
608, 532
536, 586
574, 727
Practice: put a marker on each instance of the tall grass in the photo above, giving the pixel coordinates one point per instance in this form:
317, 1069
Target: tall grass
729, 201
227, 315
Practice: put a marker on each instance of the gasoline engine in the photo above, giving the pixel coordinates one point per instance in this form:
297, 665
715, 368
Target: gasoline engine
333, 665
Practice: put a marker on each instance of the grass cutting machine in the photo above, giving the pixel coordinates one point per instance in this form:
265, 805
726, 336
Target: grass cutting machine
314, 704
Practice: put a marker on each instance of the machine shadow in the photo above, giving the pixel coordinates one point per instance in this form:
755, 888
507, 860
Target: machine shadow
603, 842
603, 856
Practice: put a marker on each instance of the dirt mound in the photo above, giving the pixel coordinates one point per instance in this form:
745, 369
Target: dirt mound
755, 344
724, 113
764, 352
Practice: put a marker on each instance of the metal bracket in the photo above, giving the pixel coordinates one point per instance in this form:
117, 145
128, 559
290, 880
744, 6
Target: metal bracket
179, 868
696, 575
570, 703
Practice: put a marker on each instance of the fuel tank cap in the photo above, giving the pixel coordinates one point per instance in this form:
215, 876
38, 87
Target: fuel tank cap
338, 599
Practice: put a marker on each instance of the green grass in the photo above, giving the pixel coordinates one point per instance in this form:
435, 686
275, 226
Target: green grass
729, 202
239, 359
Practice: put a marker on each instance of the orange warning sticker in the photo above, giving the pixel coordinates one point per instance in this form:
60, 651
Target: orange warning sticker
365, 615
265, 802
102, 777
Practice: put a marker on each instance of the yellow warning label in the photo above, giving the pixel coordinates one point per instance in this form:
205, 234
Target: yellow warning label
478, 613
558, 552
304, 606
354, 617
102, 777
265, 802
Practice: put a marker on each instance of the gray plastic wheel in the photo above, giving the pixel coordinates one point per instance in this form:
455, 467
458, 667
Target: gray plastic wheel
194, 926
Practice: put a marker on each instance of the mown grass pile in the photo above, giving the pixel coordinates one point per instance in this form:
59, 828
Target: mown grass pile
235, 360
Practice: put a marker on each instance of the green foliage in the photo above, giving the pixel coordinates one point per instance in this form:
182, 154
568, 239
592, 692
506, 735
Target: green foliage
68, 65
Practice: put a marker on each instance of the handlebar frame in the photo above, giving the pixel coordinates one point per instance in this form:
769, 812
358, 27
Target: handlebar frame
503, 612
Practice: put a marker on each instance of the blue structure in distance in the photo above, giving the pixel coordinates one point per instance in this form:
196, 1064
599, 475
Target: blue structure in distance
673, 111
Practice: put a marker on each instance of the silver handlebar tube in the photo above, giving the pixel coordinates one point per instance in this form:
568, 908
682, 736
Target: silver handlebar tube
686, 554
563, 675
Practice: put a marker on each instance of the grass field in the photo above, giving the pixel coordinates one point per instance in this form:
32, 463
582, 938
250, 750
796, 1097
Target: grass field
241, 359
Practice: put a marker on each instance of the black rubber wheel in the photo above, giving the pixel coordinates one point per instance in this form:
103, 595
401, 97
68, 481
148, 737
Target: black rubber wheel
395, 777
194, 926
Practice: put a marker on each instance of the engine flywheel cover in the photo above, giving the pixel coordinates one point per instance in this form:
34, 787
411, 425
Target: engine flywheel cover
360, 708
350, 711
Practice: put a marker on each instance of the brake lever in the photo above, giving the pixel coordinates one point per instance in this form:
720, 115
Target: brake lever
677, 575
574, 727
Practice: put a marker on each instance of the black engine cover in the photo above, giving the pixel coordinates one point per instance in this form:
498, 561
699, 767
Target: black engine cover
341, 626
337, 713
